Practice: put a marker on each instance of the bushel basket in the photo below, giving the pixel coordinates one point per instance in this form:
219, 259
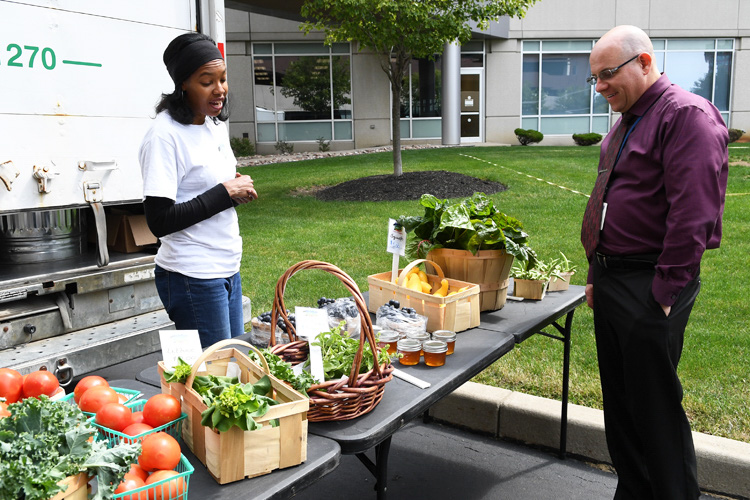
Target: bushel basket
347, 397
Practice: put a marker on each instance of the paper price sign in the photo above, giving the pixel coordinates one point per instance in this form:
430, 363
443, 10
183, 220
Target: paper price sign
185, 344
396, 238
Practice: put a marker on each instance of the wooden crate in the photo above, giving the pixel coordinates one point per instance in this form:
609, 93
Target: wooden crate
457, 312
77, 488
237, 454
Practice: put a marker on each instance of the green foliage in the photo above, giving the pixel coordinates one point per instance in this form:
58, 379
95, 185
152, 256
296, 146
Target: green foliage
231, 403
283, 147
340, 350
283, 371
241, 146
536, 270
471, 224
400, 30
43, 441
587, 139
323, 145
308, 83
735, 134
526, 137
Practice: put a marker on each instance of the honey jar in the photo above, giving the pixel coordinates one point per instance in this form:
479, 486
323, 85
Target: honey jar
389, 338
447, 336
420, 337
409, 350
434, 352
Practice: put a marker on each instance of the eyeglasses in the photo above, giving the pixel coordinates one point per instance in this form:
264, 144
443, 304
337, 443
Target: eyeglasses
606, 74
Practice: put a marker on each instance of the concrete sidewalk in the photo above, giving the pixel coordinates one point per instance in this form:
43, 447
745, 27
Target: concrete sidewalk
723, 464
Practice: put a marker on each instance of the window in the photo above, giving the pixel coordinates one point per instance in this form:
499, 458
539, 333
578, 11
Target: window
556, 99
302, 91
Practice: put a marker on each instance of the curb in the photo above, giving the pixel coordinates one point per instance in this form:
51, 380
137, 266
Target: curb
723, 464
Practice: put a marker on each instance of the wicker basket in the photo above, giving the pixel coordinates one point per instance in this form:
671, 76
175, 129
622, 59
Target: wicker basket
348, 397
236, 454
457, 312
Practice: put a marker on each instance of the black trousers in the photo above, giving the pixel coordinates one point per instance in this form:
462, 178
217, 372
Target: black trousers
639, 347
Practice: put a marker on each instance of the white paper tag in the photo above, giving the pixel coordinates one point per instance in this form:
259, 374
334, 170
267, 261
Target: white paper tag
233, 369
604, 214
396, 238
309, 323
185, 344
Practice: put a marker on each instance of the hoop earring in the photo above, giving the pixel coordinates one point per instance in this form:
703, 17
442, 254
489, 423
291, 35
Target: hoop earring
182, 94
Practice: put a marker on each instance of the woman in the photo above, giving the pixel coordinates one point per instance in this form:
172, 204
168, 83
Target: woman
190, 189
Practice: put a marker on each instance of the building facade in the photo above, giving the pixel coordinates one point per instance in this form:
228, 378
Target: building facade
529, 73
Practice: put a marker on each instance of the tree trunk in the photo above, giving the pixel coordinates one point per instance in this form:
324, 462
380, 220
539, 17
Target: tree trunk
396, 120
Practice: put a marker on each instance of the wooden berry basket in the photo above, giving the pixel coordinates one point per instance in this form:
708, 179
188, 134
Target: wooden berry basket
456, 312
236, 454
348, 397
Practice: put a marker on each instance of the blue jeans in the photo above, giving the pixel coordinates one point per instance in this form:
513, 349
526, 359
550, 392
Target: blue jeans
211, 306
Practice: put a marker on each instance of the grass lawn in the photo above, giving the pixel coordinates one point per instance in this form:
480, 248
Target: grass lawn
544, 193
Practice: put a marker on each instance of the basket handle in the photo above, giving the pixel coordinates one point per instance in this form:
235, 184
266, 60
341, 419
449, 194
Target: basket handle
215, 347
278, 309
412, 265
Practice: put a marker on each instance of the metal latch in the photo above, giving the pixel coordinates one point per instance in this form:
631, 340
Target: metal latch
43, 175
93, 191
8, 173
97, 166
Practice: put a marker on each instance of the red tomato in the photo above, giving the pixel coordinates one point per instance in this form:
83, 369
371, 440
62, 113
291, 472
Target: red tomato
38, 383
96, 397
173, 488
87, 383
161, 409
135, 429
59, 394
123, 397
114, 416
136, 417
137, 470
159, 451
11, 385
4, 410
129, 483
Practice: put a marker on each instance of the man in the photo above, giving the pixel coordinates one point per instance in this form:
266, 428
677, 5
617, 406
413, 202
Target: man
655, 209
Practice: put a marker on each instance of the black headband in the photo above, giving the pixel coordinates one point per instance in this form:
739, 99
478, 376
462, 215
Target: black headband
182, 61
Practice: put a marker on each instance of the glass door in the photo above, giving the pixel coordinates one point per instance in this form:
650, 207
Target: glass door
472, 105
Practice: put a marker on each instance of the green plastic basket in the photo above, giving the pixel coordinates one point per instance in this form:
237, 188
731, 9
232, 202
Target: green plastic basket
184, 470
173, 428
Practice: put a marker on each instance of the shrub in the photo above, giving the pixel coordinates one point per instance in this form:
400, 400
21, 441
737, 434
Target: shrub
587, 139
284, 147
323, 145
241, 146
735, 134
526, 137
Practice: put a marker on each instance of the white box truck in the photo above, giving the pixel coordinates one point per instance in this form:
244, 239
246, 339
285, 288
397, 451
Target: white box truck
79, 80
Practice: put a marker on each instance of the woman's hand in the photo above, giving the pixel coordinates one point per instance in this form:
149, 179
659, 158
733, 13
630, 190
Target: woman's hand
241, 188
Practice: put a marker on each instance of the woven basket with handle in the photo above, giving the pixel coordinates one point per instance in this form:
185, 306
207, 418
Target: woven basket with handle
347, 397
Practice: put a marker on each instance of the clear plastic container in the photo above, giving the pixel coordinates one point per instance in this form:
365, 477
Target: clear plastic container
447, 336
435, 352
409, 350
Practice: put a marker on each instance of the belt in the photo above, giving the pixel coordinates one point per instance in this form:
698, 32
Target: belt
626, 261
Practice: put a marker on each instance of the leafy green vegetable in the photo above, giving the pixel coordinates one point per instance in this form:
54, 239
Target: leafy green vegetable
237, 404
471, 224
43, 441
283, 371
180, 373
339, 351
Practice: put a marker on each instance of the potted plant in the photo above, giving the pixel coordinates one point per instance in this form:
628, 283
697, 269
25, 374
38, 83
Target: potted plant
471, 240
530, 280
565, 269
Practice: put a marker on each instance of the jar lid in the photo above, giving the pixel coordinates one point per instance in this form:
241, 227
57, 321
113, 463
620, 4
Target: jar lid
409, 345
388, 336
435, 346
446, 335
421, 336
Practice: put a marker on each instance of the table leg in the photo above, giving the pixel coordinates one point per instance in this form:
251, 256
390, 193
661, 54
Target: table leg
379, 469
565, 338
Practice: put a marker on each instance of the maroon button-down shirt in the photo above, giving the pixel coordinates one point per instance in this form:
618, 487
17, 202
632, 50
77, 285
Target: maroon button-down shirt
666, 193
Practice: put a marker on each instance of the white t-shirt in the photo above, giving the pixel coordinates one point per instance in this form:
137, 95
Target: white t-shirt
180, 162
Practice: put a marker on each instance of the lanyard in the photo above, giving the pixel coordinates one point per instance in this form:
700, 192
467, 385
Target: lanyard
625, 139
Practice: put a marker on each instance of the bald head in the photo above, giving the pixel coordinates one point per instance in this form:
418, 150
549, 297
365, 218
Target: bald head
630, 50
